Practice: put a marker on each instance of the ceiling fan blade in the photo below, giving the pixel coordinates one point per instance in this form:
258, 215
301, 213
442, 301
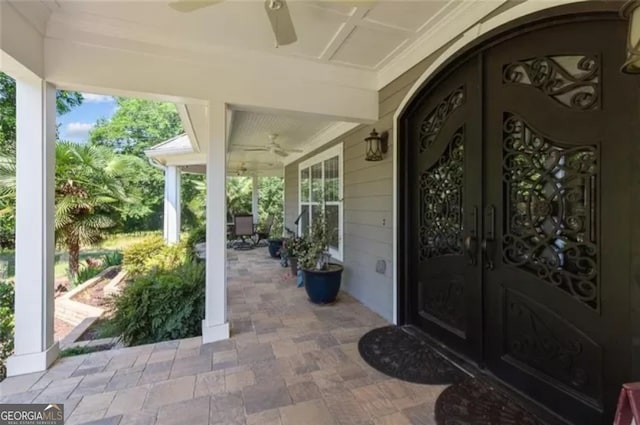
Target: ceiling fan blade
255, 149
357, 3
280, 152
294, 150
192, 5
281, 22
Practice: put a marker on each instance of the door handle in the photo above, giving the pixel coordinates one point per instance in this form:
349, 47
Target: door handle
471, 247
489, 241
471, 241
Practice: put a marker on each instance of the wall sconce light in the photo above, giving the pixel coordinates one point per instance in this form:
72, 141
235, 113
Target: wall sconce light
631, 11
376, 145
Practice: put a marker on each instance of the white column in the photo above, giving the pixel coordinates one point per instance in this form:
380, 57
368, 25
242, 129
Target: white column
255, 209
172, 204
35, 349
215, 326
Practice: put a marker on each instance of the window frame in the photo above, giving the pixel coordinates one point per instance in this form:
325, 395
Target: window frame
320, 158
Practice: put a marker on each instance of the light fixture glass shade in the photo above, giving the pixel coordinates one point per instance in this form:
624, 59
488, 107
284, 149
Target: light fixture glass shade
631, 11
373, 146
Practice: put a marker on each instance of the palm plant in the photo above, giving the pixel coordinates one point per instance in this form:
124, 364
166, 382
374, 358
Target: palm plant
238, 195
89, 193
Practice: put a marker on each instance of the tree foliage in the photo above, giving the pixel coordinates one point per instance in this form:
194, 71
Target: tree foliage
90, 193
136, 126
270, 200
65, 102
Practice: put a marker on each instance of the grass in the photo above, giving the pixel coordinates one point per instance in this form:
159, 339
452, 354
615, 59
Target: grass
112, 243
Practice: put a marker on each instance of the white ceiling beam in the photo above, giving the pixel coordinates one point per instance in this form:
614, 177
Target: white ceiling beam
73, 65
452, 20
344, 32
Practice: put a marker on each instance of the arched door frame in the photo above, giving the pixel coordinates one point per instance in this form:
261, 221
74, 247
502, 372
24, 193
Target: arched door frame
529, 14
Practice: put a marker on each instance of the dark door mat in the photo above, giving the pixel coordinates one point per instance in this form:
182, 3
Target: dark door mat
476, 402
398, 354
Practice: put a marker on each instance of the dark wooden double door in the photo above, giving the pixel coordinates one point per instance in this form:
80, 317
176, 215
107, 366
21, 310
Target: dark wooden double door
516, 213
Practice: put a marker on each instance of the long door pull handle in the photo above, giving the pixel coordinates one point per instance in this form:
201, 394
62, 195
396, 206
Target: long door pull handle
489, 241
471, 241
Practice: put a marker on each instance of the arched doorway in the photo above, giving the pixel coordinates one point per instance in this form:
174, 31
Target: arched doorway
515, 173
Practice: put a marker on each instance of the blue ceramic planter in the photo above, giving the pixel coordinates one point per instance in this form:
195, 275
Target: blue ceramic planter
275, 245
323, 286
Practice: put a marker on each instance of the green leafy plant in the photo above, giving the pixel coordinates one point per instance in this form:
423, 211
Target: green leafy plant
7, 298
88, 270
136, 255
169, 257
317, 254
160, 306
196, 235
112, 259
297, 247
76, 351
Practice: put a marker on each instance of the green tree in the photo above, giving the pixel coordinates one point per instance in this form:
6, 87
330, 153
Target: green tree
65, 102
271, 198
136, 126
238, 196
90, 193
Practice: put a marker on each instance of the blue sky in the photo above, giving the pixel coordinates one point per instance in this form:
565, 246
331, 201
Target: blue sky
75, 125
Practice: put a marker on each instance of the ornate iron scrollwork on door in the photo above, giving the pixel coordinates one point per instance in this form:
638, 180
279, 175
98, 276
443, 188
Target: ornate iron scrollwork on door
551, 209
542, 340
433, 123
441, 215
572, 81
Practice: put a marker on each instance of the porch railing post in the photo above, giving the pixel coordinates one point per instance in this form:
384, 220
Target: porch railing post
215, 326
35, 348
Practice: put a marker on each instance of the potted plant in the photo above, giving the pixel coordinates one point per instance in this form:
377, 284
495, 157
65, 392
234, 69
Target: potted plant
321, 277
275, 245
295, 247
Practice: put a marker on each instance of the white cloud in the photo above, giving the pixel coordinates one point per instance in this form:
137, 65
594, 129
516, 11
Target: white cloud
78, 130
96, 98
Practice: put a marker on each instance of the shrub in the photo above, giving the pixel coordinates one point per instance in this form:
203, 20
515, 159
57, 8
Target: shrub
88, 270
168, 258
112, 259
7, 297
160, 306
196, 235
136, 255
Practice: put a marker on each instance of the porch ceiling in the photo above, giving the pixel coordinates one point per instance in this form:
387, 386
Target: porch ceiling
250, 129
309, 92
367, 36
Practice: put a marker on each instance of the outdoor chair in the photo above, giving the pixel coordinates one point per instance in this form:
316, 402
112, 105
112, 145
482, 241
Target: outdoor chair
243, 225
265, 230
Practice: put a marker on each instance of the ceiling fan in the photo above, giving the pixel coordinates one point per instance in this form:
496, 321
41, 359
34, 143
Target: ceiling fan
241, 169
272, 147
277, 12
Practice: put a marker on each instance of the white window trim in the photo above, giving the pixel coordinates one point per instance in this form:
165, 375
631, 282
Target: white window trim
333, 151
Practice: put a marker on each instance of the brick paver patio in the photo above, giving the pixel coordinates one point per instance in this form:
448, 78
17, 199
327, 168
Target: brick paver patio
288, 362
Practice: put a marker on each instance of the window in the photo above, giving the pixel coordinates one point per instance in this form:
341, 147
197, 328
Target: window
320, 182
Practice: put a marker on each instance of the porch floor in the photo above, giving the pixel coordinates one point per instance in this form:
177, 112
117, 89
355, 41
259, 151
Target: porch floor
288, 362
